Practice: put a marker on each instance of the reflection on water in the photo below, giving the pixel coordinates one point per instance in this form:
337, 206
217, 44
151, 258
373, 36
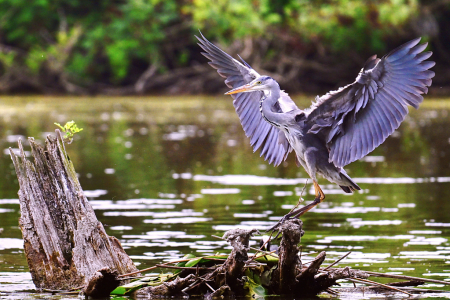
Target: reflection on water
164, 175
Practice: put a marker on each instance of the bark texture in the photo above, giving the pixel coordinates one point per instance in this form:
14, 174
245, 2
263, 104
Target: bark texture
232, 270
292, 278
64, 242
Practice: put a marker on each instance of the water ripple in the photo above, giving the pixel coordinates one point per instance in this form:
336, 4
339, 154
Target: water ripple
249, 180
422, 255
16, 281
220, 191
359, 238
437, 224
9, 201
186, 220
263, 180
10, 243
420, 240
358, 224
95, 193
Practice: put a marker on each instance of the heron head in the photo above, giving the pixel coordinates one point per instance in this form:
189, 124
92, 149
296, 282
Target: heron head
261, 83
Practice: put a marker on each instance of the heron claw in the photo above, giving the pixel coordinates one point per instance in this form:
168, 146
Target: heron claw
278, 224
297, 213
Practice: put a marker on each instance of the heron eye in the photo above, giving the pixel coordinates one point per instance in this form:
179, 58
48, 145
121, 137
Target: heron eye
258, 82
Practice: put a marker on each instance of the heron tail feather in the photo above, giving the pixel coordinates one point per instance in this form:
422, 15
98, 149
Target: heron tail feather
352, 186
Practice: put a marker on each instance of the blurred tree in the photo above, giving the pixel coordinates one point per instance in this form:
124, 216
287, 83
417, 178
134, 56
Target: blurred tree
136, 46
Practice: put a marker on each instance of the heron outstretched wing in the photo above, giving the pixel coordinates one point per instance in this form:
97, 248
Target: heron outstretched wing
274, 146
357, 118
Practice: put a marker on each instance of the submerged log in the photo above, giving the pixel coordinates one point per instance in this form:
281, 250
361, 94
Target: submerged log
64, 242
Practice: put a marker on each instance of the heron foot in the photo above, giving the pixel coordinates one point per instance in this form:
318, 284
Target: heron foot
295, 214
278, 224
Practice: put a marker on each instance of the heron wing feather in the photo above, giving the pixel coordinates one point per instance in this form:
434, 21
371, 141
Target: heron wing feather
357, 118
262, 134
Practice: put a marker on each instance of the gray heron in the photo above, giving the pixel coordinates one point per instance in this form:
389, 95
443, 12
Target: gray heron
340, 127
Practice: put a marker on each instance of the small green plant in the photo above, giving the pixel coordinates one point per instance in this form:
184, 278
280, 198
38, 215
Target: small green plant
69, 129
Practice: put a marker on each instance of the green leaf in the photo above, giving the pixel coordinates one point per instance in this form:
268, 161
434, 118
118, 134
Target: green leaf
120, 290
268, 259
194, 262
266, 276
252, 282
127, 289
183, 263
69, 129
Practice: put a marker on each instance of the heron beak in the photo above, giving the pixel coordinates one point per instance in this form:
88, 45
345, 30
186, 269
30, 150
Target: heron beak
241, 89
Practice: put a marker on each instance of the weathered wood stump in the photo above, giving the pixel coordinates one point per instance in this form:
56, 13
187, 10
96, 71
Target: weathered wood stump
290, 264
64, 242
292, 278
228, 277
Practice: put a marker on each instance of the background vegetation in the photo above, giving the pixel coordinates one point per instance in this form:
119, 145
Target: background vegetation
148, 46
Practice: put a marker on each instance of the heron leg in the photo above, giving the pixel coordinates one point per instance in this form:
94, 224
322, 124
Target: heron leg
320, 196
310, 157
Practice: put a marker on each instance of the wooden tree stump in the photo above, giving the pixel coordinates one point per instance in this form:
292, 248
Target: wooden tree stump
289, 264
64, 242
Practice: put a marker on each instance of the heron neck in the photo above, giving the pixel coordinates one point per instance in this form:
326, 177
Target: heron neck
268, 101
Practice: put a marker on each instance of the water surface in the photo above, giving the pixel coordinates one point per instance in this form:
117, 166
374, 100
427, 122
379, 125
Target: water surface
164, 174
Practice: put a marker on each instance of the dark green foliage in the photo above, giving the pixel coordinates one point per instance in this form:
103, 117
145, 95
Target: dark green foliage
113, 42
114, 34
342, 24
